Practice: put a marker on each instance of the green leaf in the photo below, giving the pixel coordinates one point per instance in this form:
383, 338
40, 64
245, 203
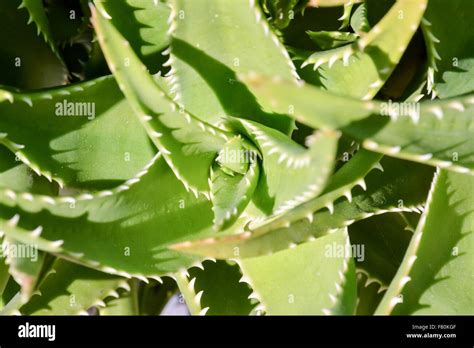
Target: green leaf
361, 69
313, 278
11, 298
230, 194
436, 274
4, 277
25, 263
384, 240
450, 47
331, 3
359, 20
292, 174
38, 16
144, 24
188, 145
331, 39
213, 40
71, 289
346, 16
88, 134
439, 133
16, 176
282, 11
124, 231
189, 294
27, 61
369, 294
125, 303
218, 289
400, 180
307, 104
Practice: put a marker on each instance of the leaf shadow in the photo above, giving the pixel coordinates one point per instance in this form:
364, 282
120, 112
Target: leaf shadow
234, 96
433, 259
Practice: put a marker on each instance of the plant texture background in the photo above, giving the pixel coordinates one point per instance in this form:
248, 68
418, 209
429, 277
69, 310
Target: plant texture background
255, 157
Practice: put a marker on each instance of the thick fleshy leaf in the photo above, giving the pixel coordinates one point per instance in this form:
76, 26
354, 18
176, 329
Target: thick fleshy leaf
292, 174
359, 21
23, 261
144, 24
4, 278
10, 298
331, 39
382, 241
401, 187
38, 16
439, 133
123, 231
436, 274
369, 294
361, 69
188, 145
27, 61
450, 47
124, 303
25, 264
70, 289
282, 11
309, 105
230, 194
213, 40
218, 289
330, 3
16, 176
313, 278
443, 136
231, 246
88, 133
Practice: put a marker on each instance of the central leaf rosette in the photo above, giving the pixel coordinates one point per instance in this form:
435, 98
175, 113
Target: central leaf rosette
252, 160
233, 179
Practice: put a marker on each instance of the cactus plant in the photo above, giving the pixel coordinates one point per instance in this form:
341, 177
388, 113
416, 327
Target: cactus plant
255, 157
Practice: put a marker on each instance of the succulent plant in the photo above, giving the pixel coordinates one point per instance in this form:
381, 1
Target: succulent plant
269, 157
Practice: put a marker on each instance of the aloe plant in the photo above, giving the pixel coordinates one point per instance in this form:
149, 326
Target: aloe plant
254, 157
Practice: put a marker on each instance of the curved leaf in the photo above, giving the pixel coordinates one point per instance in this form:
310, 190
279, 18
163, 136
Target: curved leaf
230, 194
401, 187
361, 69
38, 16
125, 231
27, 61
383, 240
439, 133
450, 46
436, 274
313, 278
144, 24
88, 134
292, 174
71, 289
188, 145
218, 289
209, 39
